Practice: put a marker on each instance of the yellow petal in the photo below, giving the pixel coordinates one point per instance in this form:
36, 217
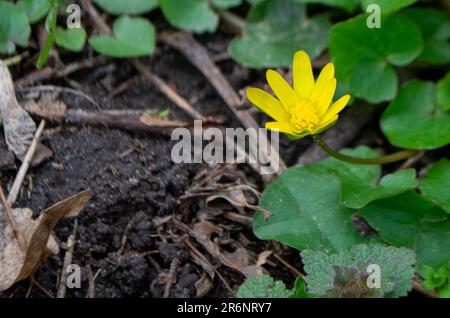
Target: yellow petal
303, 77
268, 104
281, 127
326, 97
325, 124
282, 89
336, 107
325, 76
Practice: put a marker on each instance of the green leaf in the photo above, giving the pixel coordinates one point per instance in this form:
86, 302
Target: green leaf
363, 56
388, 6
190, 15
306, 213
444, 292
411, 221
361, 184
14, 27
414, 119
71, 39
349, 5
132, 37
262, 287
275, 30
433, 279
226, 4
345, 274
443, 94
119, 7
35, 9
299, 290
435, 28
435, 186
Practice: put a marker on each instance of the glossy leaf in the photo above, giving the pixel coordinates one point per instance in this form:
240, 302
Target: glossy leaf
388, 6
132, 37
14, 27
190, 15
71, 39
435, 186
435, 28
362, 184
364, 57
414, 120
275, 30
443, 94
306, 212
35, 9
127, 6
411, 221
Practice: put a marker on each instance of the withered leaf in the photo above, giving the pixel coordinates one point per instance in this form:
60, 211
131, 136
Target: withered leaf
14, 265
18, 125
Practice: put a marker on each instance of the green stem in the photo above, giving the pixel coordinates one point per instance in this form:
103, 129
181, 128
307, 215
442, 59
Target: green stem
397, 156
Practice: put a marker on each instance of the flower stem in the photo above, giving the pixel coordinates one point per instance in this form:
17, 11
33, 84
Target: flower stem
397, 156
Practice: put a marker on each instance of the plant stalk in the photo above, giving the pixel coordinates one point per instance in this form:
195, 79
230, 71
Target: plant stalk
397, 156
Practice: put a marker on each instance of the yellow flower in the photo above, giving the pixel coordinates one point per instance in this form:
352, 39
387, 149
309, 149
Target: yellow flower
305, 109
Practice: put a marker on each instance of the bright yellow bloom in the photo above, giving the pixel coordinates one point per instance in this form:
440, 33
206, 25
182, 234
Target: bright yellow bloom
305, 109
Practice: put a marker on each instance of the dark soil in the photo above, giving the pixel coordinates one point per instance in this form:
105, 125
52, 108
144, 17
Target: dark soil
135, 183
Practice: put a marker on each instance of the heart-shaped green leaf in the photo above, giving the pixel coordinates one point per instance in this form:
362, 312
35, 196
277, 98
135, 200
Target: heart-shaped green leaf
35, 9
409, 220
361, 184
435, 186
14, 27
414, 120
127, 6
132, 37
349, 5
363, 56
388, 6
306, 212
275, 30
70, 39
435, 27
190, 15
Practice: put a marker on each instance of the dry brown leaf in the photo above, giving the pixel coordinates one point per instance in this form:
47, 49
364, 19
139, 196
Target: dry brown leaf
14, 265
17, 123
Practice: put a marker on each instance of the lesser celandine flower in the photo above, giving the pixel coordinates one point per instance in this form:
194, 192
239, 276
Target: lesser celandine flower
306, 108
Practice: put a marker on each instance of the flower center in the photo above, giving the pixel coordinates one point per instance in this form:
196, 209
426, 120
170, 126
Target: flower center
303, 117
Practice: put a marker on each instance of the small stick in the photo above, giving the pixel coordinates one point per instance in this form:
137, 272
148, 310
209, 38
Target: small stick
67, 261
12, 196
172, 275
12, 221
294, 270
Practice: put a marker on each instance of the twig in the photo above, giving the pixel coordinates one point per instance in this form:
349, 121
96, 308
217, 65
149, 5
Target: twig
50, 72
12, 221
167, 90
67, 261
294, 270
172, 276
15, 59
58, 89
418, 287
233, 20
42, 288
98, 20
12, 196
